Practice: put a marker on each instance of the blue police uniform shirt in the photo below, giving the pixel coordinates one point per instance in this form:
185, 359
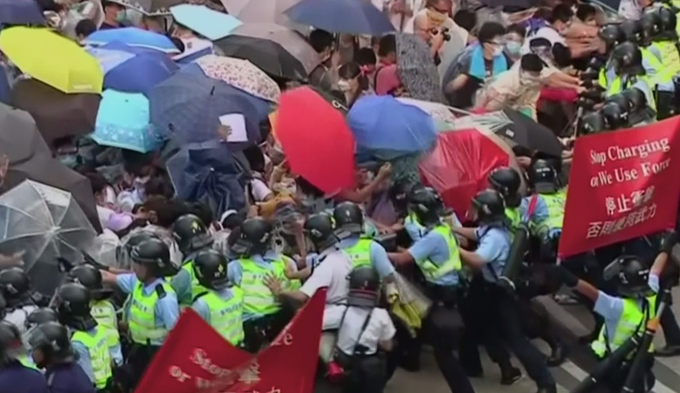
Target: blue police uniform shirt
433, 247
611, 307
15, 378
235, 272
540, 213
416, 231
84, 355
166, 311
381, 263
201, 307
493, 250
67, 378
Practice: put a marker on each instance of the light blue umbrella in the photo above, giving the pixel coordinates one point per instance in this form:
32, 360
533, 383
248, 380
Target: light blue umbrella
132, 36
123, 122
210, 24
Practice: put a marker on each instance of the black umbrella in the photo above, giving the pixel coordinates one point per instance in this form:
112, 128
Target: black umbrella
526, 132
20, 139
268, 55
57, 114
337, 102
48, 171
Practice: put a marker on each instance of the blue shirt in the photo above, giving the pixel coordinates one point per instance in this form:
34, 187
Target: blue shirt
381, 263
15, 378
66, 378
433, 247
166, 311
235, 272
611, 307
201, 307
493, 249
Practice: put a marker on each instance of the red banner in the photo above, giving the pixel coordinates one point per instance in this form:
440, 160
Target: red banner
195, 358
622, 185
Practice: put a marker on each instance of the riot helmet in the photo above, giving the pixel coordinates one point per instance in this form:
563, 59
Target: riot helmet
10, 343
255, 237
651, 27
153, 253
319, 230
488, 207
627, 59
40, 316
129, 242
210, 267
631, 275
543, 177
611, 35
632, 31
349, 219
91, 278
591, 123
191, 234
364, 287
668, 23
636, 99
616, 111
15, 286
399, 193
507, 181
73, 302
50, 343
427, 205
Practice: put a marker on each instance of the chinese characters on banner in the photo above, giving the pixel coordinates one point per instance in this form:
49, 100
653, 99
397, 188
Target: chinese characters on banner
196, 359
622, 185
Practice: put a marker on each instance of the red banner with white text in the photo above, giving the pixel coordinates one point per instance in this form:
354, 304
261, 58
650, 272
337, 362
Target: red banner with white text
195, 358
622, 185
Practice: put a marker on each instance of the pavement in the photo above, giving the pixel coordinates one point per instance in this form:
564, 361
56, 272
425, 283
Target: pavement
571, 321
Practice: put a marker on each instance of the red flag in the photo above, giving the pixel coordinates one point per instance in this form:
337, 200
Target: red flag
622, 185
195, 358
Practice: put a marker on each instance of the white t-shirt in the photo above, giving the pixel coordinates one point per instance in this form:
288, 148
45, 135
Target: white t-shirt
546, 32
18, 317
379, 328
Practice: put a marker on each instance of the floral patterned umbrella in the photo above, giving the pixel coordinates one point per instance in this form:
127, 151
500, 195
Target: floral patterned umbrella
241, 74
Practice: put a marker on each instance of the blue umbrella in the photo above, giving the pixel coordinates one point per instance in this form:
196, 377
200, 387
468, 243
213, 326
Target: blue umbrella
20, 12
341, 16
210, 24
383, 123
188, 107
123, 121
132, 72
210, 175
132, 36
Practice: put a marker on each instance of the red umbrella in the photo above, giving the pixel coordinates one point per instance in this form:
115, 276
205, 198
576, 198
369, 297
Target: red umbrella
316, 140
460, 164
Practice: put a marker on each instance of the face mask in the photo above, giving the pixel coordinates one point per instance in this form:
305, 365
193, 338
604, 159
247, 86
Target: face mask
513, 47
528, 80
121, 16
498, 51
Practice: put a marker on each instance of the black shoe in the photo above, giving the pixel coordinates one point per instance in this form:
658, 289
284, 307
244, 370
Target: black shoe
557, 356
510, 376
588, 338
547, 389
410, 363
668, 351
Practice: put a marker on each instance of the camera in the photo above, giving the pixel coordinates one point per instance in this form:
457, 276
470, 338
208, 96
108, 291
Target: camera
443, 31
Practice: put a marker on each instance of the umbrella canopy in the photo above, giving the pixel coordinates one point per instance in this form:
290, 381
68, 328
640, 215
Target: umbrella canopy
210, 24
70, 68
123, 122
261, 11
20, 12
316, 140
133, 71
57, 114
290, 40
45, 223
132, 36
20, 139
417, 70
526, 132
383, 123
151, 7
241, 74
268, 55
439, 112
358, 16
190, 108
104, 249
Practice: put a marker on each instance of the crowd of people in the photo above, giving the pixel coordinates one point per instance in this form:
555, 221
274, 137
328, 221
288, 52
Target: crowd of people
248, 264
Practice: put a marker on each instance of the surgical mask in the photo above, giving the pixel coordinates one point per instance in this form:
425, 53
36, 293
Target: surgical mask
498, 51
513, 47
121, 16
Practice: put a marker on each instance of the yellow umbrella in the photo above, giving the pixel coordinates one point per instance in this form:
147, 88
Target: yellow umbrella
52, 59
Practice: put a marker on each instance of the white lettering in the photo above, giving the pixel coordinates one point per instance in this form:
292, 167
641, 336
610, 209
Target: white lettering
653, 168
200, 358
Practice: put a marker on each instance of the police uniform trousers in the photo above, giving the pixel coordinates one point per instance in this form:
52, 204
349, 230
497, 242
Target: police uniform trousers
614, 382
138, 359
259, 332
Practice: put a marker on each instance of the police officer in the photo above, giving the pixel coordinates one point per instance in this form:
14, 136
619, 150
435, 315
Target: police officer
507, 182
363, 251
626, 315
133, 239
220, 306
651, 58
89, 340
153, 308
627, 62
548, 215
438, 258
192, 236
611, 36
668, 54
500, 309
640, 113
51, 349
592, 122
101, 308
262, 312
616, 111
15, 376
15, 287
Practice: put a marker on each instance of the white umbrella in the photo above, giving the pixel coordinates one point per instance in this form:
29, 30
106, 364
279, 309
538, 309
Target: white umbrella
104, 248
437, 110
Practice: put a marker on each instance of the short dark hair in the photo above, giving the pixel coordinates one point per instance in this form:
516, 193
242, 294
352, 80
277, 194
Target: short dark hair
320, 40
387, 45
562, 55
97, 182
489, 31
561, 13
85, 27
540, 42
531, 62
585, 11
466, 19
518, 29
365, 56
